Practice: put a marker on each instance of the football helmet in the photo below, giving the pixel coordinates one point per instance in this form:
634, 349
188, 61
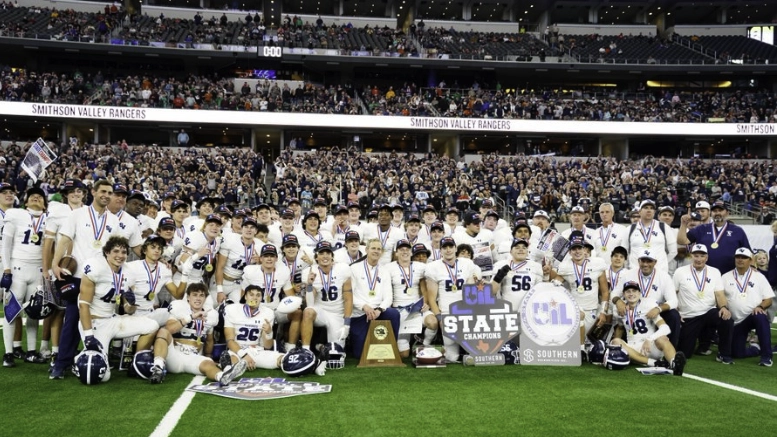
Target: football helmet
298, 362
39, 307
334, 355
91, 367
511, 353
217, 350
596, 352
67, 289
615, 358
142, 363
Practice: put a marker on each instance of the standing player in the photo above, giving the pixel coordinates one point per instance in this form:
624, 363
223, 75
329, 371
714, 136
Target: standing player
188, 332
445, 279
296, 260
352, 251
384, 232
407, 281
451, 221
430, 217
236, 252
23, 255
128, 225
543, 248
646, 333
577, 224
516, 276
311, 233
340, 226
248, 330
329, 297
437, 232
412, 227
200, 252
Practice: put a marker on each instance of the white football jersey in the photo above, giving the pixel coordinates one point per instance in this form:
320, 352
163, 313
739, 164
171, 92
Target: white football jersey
451, 279
297, 266
196, 330
371, 286
25, 244
388, 240
583, 281
309, 241
140, 277
406, 282
196, 241
328, 288
638, 327
342, 256
107, 286
57, 213
658, 286
238, 254
606, 239
271, 283
521, 278
82, 226
246, 323
129, 228
460, 236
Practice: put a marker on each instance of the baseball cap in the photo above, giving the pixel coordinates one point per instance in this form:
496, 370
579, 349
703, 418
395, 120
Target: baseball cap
37, 190
372, 214
385, 206
70, 184
292, 200
744, 251
492, 213
437, 225
647, 254
214, 218
223, 209
695, 216
578, 209
720, 205
699, 248
429, 208
177, 204
447, 241
487, 203
413, 218
169, 195
310, 214
518, 241
319, 201
452, 210
242, 213
403, 243
576, 238
634, 213
261, 206
621, 250
352, 235
420, 248
520, 224
269, 250
289, 240
340, 209
646, 202
473, 218
541, 213
120, 189
250, 221
702, 205
353, 205
397, 206
166, 222
323, 246
136, 194
630, 285
519, 215
287, 213
666, 208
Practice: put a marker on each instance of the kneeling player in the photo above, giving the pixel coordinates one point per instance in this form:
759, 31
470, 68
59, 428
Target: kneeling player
248, 330
186, 329
647, 337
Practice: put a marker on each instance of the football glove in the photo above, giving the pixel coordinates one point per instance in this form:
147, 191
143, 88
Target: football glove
5, 283
92, 344
343, 333
129, 297
500, 275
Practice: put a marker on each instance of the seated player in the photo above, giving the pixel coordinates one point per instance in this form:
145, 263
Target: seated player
647, 337
179, 346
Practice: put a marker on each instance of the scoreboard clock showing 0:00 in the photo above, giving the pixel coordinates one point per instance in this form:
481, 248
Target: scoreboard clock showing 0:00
269, 52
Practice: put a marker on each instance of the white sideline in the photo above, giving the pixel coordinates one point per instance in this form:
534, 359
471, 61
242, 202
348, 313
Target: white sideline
737, 388
167, 424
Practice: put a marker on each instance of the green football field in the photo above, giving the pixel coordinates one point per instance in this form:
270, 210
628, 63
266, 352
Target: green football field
457, 400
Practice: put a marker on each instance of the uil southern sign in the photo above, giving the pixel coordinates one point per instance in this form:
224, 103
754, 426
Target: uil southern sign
481, 324
550, 327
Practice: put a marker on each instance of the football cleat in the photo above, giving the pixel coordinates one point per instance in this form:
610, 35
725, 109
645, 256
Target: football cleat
18, 353
34, 357
663, 363
53, 359
157, 375
225, 360
724, 359
704, 352
45, 353
766, 362
678, 364
56, 373
235, 371
8, 360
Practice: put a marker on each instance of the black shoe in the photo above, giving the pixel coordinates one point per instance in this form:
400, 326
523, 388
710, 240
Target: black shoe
157, 375
18, 353
56, 373
8, 360
678, 364
663, 363
232, 372
225, 360
34, 357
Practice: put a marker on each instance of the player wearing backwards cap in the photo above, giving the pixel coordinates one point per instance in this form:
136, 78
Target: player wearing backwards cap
721, 237
146, 278
236, 252
504, 244
274, 281
352, 251
311, 233
655, 285
651, 234
329, 297
200, 250
339, 227
372, 295
286, 227
248, 330
646, 333
407, 281
445, 279
514, 277
749, 295
72, 192
587, 282
22, 236
128, 224
609, 235
188, 332
702, 305
383, 232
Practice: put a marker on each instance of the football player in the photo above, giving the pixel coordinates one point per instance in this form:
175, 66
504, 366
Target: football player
451, 221
420, 253
180, 210
504, 247
646, 332
352, 251
429, 214
200, 252
340, 226
286, 227
616, 274
412, 227
445, 279
577, 218
543, 249
274, 280
205, 207
407, 280
397, 216
372, 294
103, 285
22, 274
128, 225
515, 277
188, 332
311, 234
384, 232
329, 297
437, 232
248, 330
237, 251
296, 260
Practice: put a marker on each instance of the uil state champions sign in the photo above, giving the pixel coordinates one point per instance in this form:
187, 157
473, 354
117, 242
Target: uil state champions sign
481, 324
550, 327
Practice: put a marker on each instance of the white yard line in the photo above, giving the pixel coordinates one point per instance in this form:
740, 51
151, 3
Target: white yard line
737, 388
168, 423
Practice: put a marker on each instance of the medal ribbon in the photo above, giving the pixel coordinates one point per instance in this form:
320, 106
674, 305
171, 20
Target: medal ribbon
699, 284
435, 254
550, 233
326, 279
408, 279
613, 278
632, 315
742, 286
248, 313
515, 267
316, 239
605, 238
358, 255
249, 252
269, 279
199, 326
211, 249
36, 225
383, 236
98, 226
452, 274
340, 229
715, 235
152, 279
579, 275
118, 282
292, 267
649, 234
371, 280
645, 289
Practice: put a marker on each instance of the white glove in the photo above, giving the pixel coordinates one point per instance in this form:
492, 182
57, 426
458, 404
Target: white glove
556, 282
343, 333
211, 319
321, 369
186, 268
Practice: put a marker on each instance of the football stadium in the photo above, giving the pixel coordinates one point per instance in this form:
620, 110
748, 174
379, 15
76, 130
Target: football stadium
540, 217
